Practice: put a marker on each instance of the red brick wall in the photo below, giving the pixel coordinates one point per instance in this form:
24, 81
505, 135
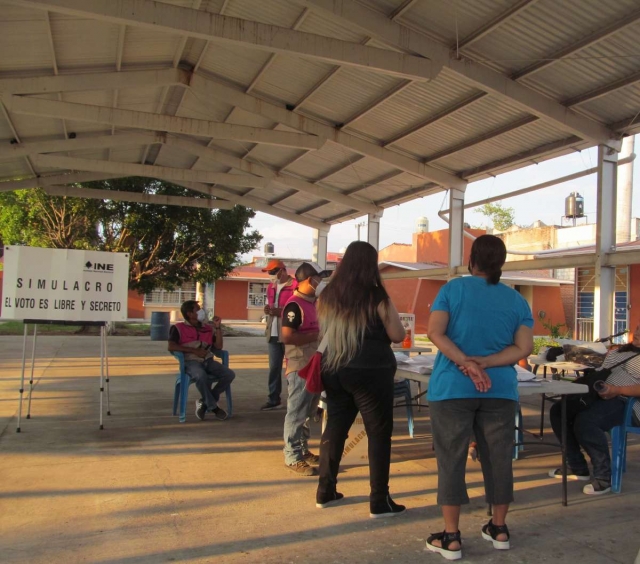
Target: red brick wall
231, 299
424, 300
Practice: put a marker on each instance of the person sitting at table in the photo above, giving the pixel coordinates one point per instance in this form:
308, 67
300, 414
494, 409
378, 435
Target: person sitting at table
481, 328
359, 321
588, 428
195, 339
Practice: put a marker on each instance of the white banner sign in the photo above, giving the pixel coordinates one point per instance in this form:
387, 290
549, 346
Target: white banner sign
64, 285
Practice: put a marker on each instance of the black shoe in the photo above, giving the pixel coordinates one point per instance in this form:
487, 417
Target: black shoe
201, 409
328, 499
220, 414
445, 541
385, 508
270, 405
491, 531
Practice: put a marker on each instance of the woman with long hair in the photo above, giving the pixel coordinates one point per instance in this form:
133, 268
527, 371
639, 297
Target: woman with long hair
481, 328
360, 322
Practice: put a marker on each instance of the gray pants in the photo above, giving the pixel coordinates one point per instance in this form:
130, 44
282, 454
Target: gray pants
492, 421
204, 375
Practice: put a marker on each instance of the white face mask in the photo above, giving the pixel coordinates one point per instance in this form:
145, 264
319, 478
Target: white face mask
321, 287
201, 315
274, 279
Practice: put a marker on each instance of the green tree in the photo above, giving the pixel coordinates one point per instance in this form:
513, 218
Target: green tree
167, 245
501, 217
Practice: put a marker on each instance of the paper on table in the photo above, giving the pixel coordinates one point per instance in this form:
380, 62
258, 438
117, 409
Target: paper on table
523, 374
417, 368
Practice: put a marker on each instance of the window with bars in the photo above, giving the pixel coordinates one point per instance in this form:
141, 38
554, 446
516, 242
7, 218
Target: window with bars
171, 297
585, 306
257, 294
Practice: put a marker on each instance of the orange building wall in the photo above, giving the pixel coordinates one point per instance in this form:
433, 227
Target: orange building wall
634, 292
398, 252
135, 307
434, 246
425, 297
547, 299
231, 299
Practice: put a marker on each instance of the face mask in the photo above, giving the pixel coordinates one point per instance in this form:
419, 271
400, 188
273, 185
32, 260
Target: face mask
274, 279
201, 315
321, 287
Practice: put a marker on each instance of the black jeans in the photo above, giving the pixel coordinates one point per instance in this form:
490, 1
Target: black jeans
587, 429
369, 391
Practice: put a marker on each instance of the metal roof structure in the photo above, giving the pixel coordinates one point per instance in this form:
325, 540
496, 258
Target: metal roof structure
314, 111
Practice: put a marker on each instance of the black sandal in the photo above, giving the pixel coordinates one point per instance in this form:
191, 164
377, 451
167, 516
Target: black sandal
490, 531
445, 540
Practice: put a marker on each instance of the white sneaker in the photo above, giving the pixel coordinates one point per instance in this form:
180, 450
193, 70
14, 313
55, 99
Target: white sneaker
596, 488
557, 473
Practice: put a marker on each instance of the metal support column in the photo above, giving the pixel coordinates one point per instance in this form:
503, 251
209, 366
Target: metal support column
456, 228
373, 229
605, 277
319, 251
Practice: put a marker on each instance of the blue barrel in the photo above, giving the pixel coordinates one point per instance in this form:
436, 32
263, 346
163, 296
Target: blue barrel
160, 323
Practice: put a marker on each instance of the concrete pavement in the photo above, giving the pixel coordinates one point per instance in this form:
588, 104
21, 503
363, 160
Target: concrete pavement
149, 489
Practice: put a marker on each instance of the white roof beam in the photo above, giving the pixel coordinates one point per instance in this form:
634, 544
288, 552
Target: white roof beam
401, 87
258, 205
495, 23
13, 129
207, 87
567, 52
402, 9
158, 122
603, 90
94, 81
256, 79
134, 169
124, 196
481, 139
436, 118
380, 27
43, 181
17, 150
271, 175
204, 25
531, 155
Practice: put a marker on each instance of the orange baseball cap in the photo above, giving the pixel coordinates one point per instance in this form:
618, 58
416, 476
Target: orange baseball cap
273, 264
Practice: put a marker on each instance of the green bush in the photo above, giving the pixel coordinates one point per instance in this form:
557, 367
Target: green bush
539, 342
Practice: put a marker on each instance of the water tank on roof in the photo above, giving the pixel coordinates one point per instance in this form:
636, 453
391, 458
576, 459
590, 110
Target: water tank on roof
574, 205
269, 249
422, 225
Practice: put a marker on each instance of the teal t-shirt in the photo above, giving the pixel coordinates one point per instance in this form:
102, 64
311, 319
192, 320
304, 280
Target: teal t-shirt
483, 319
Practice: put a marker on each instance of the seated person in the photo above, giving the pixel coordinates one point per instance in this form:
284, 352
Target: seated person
196, 339
588, 428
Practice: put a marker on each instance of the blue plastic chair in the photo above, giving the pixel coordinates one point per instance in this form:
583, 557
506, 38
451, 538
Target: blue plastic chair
181, 393
402, 389
619, 446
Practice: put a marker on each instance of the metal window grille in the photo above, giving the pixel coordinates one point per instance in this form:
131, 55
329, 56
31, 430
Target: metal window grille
257, 294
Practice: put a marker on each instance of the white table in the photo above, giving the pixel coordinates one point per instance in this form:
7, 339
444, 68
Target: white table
552, 387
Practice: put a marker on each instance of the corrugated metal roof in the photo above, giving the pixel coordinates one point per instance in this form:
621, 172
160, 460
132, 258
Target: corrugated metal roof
478, 132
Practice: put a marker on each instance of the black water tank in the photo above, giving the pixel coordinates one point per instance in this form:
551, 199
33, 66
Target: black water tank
160, 323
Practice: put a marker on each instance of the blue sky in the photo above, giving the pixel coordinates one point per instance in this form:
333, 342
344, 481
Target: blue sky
398, 222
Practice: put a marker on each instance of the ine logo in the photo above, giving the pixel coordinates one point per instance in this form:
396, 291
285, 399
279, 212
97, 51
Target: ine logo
98, 267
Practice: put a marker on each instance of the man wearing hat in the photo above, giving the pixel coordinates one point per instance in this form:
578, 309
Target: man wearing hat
279, 291
300, 337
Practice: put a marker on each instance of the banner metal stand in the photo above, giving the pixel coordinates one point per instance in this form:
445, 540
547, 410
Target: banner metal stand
104, 361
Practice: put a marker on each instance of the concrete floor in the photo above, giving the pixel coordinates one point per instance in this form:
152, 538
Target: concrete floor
149, 489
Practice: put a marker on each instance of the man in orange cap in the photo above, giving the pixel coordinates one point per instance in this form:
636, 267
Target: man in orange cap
279, 291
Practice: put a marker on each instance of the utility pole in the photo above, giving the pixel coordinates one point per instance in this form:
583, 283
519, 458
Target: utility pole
358, 226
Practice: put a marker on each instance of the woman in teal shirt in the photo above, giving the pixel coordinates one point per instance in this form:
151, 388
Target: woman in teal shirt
481, 328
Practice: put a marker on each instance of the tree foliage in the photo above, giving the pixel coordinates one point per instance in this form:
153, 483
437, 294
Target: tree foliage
501, 217
168, 245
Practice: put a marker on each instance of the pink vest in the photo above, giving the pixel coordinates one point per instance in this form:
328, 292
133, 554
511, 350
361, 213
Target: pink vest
189, 333
298, 356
